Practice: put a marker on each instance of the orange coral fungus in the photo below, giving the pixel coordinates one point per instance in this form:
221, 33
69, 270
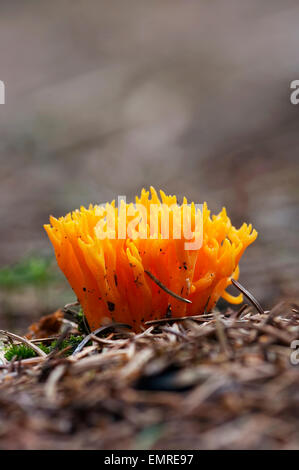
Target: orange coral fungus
112, 266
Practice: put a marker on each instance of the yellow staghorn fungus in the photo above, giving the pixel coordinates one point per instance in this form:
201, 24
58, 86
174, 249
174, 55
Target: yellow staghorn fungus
111, 265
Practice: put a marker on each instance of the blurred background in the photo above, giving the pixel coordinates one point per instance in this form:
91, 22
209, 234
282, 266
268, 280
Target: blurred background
103, 98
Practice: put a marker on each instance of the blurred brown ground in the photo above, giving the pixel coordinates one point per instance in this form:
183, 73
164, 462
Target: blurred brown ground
103, 98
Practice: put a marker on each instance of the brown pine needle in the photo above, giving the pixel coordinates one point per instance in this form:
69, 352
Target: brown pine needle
203, 318
248, 295
159, 283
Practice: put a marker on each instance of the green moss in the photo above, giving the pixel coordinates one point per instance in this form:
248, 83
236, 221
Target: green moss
81, 321
72, 341
22, 351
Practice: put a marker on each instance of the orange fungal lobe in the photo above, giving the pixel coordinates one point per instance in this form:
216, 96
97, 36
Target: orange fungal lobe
107, 252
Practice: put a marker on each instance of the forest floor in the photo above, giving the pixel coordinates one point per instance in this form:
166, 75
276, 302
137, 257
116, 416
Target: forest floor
217, 381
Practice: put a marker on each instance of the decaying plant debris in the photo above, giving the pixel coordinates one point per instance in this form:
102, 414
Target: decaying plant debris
218, 381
